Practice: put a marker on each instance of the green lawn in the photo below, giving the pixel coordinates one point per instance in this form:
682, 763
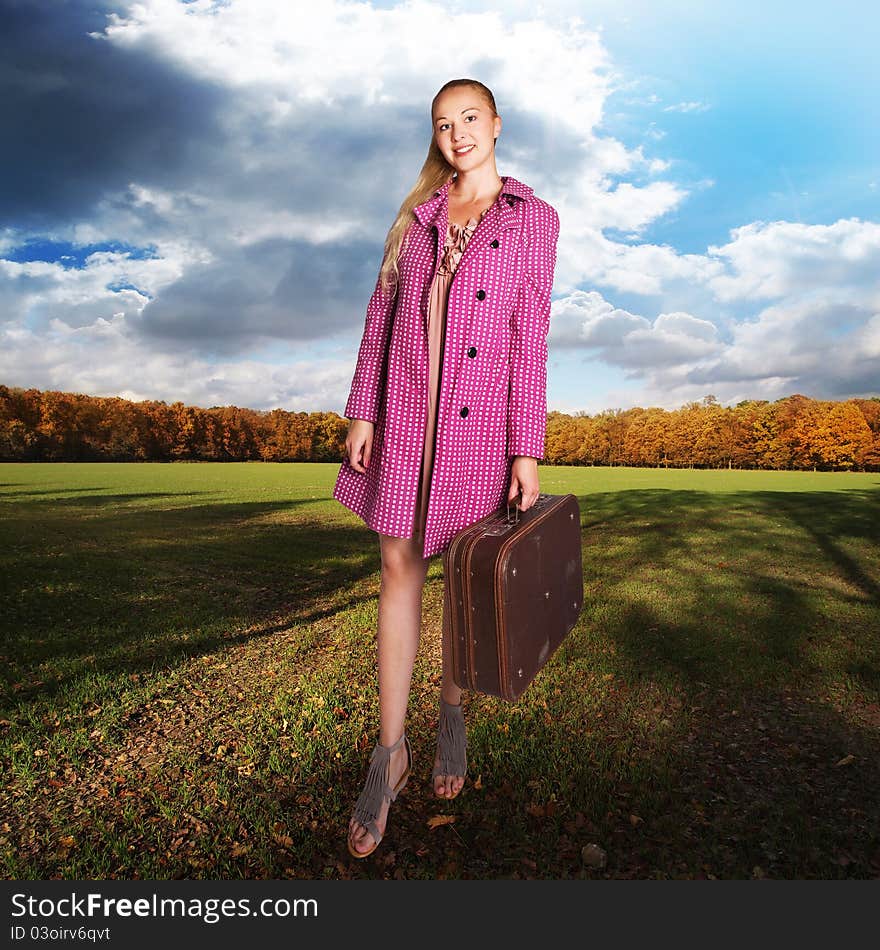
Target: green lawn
189, 684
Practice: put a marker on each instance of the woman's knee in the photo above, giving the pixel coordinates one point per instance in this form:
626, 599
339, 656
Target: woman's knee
401, 558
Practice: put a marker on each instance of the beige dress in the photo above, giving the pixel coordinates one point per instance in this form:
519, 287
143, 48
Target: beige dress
456, 241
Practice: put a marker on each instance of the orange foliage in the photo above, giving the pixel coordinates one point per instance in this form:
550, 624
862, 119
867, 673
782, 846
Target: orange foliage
794, 432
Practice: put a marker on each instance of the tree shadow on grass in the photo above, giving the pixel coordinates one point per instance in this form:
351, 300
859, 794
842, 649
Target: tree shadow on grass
737, 587
136, 588
758, 608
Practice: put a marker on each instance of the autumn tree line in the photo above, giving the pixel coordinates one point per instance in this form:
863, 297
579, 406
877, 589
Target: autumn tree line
795, 432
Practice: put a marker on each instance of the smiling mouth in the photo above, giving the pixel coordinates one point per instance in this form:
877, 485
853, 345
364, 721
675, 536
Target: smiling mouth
464, 151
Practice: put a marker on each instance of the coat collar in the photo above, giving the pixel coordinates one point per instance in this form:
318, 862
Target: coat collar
436, 209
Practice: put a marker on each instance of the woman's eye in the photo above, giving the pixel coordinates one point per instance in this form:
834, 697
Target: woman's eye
445, 125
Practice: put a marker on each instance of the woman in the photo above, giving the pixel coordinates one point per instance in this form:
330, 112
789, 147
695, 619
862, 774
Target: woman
447, 407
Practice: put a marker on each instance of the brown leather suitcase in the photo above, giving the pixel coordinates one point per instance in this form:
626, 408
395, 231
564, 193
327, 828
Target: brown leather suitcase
514, 589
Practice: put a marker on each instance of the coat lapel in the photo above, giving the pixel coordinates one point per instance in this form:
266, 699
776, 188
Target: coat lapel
434, 213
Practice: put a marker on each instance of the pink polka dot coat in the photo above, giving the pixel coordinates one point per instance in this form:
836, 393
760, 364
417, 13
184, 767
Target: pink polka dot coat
492, 403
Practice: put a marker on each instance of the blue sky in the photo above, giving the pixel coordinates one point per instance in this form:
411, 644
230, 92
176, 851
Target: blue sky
196, 195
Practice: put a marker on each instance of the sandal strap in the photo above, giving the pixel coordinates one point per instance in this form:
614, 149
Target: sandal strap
373, 828
376, 787
451, 741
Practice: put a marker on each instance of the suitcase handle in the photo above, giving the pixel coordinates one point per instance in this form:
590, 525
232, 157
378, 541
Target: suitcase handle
516, 509
542, 497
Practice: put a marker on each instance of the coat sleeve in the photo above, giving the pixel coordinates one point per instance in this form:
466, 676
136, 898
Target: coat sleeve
366, 387
530, 324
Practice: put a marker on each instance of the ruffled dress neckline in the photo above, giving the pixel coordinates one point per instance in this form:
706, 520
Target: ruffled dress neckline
472, 222
456, 241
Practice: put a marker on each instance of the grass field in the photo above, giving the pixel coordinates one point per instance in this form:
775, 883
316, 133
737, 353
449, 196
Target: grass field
189, 683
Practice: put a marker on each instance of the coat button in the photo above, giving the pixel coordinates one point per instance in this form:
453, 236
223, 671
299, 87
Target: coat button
472, 351
481, 295
463, 411
495, 243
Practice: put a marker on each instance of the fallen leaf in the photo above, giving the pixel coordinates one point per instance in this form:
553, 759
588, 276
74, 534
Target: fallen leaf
593, 856
438, 820
846, 760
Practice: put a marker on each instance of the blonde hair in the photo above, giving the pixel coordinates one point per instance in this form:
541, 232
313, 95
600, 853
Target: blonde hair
435, 172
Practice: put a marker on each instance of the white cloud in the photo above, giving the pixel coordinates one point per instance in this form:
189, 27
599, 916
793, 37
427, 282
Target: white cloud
100, 359
288, 51
819, 335
687, 107
630, 340
782, 258
39, 291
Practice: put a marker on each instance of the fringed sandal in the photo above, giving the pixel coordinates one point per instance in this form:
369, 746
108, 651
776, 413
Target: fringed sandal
451, 744
376, 789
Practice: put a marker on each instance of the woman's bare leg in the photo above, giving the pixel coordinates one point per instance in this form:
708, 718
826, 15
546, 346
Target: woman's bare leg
400, 619
448, 785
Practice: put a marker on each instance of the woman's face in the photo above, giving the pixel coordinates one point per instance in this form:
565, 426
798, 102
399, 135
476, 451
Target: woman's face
464, 127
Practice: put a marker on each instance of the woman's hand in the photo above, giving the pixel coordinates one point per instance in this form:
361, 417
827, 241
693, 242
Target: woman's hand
359, 441
524, 477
